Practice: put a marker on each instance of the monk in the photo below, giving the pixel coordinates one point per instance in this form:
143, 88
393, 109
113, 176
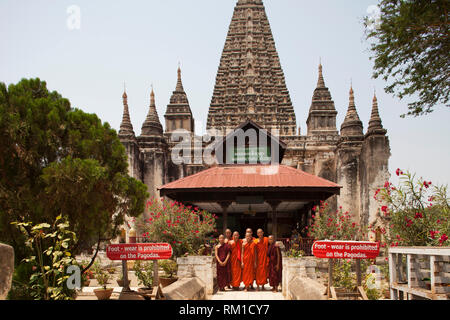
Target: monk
228, 238
262, 269
249, 261
236, 261
251, 232
275, 264
228, 235
223, 254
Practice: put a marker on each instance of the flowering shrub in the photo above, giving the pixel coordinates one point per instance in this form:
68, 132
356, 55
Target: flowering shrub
415, 213
334, 225
184, 227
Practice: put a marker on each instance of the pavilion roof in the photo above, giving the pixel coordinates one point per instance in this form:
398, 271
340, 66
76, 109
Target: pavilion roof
250, 176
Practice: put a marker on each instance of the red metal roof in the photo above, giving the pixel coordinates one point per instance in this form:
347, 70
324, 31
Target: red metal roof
250, 176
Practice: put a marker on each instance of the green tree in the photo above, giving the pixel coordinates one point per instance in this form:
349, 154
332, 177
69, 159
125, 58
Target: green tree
411, 49
56, 160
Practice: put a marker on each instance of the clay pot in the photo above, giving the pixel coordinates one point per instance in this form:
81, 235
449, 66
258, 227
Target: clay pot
145, 290
167, 281
121, 283
103, 294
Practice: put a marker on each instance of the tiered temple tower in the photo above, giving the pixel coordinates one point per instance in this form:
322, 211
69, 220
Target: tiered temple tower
179, 114
250, 84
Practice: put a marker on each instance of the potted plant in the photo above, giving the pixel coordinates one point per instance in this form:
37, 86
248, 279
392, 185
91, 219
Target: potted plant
121, 283
170, 268
144, 273
102, 277
111, 270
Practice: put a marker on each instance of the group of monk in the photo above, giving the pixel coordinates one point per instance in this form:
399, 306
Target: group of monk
247, 261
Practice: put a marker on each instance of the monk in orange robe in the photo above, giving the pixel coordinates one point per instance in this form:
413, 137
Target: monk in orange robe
249, 261
262, 268
251, 232
236, 261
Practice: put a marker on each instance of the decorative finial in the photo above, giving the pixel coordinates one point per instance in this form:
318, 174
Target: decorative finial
124, 91
321, 81
179, 87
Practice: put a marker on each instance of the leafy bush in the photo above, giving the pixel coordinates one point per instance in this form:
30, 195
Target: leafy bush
342, 275
184, 227
370, 287
49, 259
295, 252
415, 213
169, 266
144, 273
101, 275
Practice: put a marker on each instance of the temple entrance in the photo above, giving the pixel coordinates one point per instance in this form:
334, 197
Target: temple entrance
246, 192
256, 222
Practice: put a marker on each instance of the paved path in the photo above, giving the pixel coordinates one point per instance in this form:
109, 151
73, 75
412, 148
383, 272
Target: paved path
250, 295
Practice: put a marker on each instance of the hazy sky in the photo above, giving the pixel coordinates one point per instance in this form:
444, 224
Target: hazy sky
141, 43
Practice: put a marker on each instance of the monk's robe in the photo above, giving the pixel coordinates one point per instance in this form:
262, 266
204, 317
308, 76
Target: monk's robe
228, 242
235, 263
222, 271
273, 254
248, 272
262, 269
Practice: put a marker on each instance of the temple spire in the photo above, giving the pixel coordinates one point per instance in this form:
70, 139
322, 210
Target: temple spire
352, 125
322, 113
152, 125
126, 128
178, 113
375, 124
321, 81
179, 87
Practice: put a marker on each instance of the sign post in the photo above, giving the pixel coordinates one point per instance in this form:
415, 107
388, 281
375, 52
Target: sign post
356, 250
140, 251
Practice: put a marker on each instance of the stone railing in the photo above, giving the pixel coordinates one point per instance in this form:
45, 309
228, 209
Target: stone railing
6, 269
419, 272
201, 267
299, 280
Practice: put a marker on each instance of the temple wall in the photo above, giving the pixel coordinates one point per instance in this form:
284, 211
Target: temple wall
374, 173
348, 178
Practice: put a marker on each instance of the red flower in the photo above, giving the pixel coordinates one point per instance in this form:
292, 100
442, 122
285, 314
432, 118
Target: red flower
443, 239
399, 172
384, 209
433, 234
418, 215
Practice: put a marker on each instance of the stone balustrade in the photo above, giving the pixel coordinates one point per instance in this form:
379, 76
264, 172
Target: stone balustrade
6, 269
202, 267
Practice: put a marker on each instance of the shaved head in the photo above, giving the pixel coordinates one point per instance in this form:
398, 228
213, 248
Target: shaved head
260, 233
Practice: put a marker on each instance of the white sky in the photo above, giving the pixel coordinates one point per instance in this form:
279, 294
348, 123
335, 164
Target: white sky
141, 42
